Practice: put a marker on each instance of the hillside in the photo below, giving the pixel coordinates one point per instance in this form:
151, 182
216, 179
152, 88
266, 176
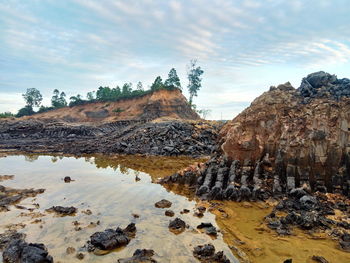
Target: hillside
162, 103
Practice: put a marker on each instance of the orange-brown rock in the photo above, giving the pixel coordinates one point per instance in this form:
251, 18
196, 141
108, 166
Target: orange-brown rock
287, 138
304, 141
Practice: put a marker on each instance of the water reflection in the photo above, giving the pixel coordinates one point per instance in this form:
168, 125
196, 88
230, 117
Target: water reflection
108, 186
155, 166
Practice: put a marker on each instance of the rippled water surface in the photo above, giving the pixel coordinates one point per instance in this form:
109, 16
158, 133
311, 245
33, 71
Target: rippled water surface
113, 189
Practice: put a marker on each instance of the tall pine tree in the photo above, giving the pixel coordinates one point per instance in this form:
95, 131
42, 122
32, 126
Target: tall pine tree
173, 80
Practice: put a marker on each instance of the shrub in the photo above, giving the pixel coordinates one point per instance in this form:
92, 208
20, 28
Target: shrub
25, 111
6, 115
118, 110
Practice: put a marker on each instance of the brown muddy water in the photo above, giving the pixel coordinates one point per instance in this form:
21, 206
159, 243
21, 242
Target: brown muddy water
114, 188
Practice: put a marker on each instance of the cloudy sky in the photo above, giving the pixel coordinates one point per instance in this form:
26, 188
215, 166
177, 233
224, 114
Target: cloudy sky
243, 46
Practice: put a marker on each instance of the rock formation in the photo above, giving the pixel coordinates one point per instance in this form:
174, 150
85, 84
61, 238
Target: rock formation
287, 138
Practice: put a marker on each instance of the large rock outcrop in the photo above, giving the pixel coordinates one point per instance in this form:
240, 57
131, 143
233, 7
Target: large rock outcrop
287, 138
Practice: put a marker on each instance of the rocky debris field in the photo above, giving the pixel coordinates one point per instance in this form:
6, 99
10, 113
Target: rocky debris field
187, 138
312, 213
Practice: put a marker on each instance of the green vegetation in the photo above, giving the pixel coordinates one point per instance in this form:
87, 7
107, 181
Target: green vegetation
6, 115
118, 110
33, 97
194, 80
25, 111
58, 99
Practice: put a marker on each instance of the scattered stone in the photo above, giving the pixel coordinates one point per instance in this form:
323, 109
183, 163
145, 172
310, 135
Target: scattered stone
208, 228
185, 211
169, 213
80, 256
198, 214
111, 239
201, 209
177, 225
87, 212
140, 256
206, 253
163, 204
64, 211
20, 251
135, 215
67, 179
70, 250
319, 259
288, 261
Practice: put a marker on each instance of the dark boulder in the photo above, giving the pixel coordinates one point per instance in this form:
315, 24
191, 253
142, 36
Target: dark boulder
177, 225
8, 236
111, 239
208, 228
206, 253
67, 179
169, 213
163, 204
20, 251
64, 211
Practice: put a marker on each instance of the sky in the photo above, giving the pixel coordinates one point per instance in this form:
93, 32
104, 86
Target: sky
244, 47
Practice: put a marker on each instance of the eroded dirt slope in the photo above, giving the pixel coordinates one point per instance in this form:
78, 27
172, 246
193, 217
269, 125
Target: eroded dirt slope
161, 103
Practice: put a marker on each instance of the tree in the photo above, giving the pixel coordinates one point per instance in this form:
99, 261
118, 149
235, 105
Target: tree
116, 93
126, 89
139, 86
173, 80
33, 97
103, 93
76, 100
58, 99
91, 95
194, 80
204, 112
157, 84
25, 111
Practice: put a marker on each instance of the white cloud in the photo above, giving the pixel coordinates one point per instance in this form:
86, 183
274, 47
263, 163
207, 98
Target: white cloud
109, 42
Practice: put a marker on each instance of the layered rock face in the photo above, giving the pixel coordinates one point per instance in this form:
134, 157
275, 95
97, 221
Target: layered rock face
287, 138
